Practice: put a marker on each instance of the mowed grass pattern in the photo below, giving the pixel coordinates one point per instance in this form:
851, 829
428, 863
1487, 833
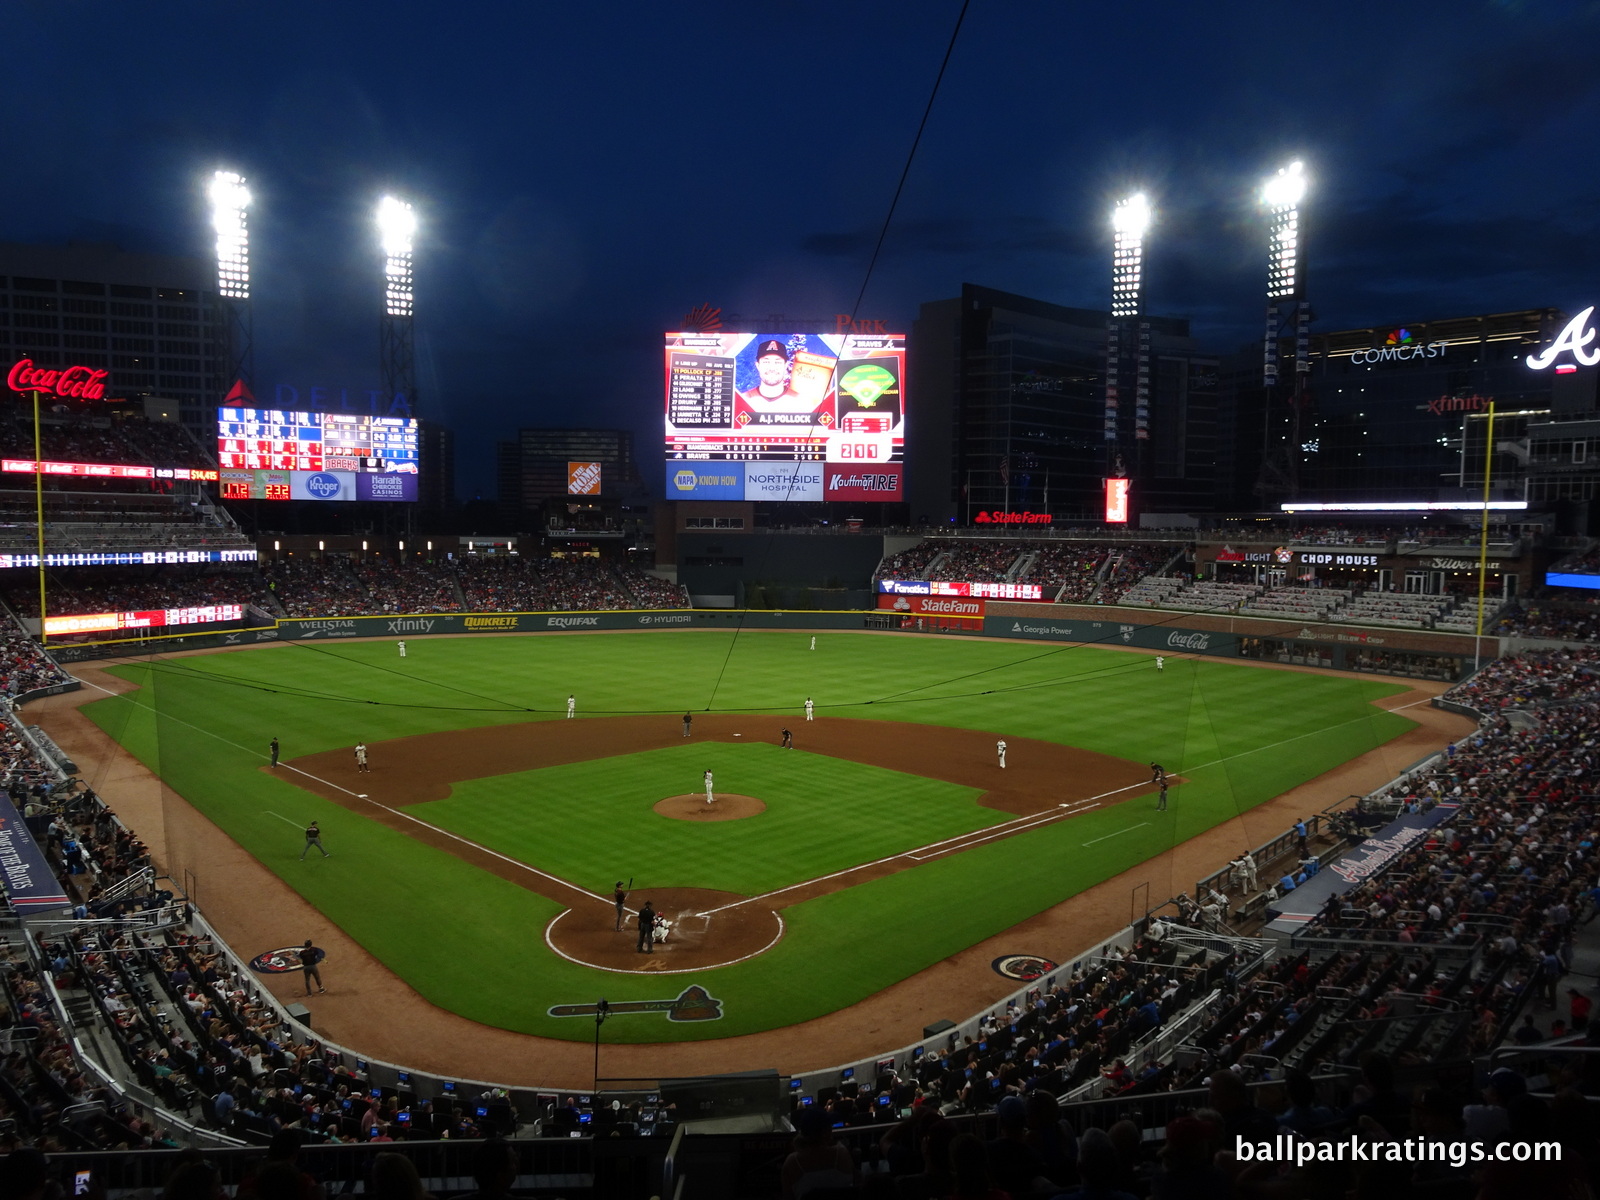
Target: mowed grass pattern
463, 939
823, 815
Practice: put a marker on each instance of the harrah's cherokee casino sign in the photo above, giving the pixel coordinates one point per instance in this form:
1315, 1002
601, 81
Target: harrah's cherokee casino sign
73, 383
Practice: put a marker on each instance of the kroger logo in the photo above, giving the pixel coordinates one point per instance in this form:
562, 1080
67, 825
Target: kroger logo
323, 486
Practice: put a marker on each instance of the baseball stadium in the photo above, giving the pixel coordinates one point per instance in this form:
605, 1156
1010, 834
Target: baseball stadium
1067, 761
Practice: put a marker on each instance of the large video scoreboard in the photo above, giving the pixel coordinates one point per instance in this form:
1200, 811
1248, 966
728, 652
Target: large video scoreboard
276, 454
785, 416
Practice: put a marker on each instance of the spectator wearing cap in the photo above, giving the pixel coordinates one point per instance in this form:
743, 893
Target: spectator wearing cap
1488, 1122
1187, 1172
817, 1162
1014, 1165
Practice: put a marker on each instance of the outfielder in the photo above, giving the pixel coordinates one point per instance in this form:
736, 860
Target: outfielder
1000, 749
813, 643
710, 799
572, 707
402, 649
1161, 663
811, 710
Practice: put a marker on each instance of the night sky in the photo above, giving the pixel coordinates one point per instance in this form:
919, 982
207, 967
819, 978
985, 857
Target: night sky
586, 174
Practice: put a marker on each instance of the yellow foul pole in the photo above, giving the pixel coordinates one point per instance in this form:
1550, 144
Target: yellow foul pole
1483, 537
38, 507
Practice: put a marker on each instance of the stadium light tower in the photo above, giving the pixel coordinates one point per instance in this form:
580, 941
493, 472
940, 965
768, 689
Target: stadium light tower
230, 218
397, 229
1281, 197
1127, 334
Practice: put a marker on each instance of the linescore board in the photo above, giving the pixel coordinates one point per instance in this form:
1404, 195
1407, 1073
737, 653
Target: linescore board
266, 439
785, 416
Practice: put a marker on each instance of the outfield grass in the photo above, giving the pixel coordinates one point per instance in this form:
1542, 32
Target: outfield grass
465, 940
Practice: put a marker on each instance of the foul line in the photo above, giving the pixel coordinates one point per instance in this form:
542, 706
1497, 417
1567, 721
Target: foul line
281, 817
1119, 832
367, 799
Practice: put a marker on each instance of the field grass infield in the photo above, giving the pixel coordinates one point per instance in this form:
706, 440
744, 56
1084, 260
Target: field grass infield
473, 943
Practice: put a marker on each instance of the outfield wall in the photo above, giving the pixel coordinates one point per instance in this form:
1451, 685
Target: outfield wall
1339, 647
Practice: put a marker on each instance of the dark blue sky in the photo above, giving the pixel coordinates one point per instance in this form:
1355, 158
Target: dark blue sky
586, 174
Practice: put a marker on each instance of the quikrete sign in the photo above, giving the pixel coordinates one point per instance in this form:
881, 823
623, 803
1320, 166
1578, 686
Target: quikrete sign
999, 517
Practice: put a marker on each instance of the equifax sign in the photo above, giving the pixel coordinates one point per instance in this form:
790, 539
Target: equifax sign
73, 383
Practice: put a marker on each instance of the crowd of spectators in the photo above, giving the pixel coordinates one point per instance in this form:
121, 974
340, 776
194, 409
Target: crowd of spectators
1586, 562
77, 591
911, 563
976, 561
303, 587
407, 587
23, 667
125, 439
1531, 679
1071, 570
1568, 620
1129, 565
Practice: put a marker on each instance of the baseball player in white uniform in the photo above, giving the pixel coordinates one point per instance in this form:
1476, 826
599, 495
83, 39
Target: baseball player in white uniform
710, 799
811, 710
1000, 749
1161, 663
402, 649
361, 757
572, 707
813, 643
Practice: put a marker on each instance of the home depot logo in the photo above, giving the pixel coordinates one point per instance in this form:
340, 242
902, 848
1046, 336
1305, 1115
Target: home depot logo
583, 479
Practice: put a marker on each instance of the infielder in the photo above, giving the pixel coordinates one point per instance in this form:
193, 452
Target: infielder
788, 739
572, 707
402, 649
1000, 749
313, 838
273, 746
811, 710
1161, 803
710, 799
1161, 663
361, 757
687, 721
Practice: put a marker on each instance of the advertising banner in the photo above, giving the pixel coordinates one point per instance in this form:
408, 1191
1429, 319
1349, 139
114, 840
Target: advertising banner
583, 478
1146, 637
783, 481
795, 398
702, 481
883, 482
934, 606
30, 884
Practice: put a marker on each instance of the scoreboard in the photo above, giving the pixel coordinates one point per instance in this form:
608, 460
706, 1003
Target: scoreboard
268, 439
785, 416
281, 454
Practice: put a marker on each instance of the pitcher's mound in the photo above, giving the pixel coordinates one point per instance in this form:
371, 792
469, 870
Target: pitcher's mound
693, 807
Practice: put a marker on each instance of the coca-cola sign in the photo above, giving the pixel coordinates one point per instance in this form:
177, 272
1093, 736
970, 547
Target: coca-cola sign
72, 383
1189, 641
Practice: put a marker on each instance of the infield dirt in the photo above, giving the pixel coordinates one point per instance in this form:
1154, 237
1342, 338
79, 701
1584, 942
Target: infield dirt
370, 1010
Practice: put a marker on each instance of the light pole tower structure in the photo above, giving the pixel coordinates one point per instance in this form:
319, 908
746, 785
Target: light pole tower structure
1127, 342
397, 228
1287, 307
230, 211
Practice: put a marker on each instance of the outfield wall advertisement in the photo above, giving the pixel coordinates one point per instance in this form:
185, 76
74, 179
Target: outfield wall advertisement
1146, 637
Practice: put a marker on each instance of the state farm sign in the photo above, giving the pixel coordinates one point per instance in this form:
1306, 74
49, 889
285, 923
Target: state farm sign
934, 606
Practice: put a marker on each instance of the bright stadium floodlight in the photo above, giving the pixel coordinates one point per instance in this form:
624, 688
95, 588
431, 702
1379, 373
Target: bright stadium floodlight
230, 205
1129, 221
1281, 196
397, 225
